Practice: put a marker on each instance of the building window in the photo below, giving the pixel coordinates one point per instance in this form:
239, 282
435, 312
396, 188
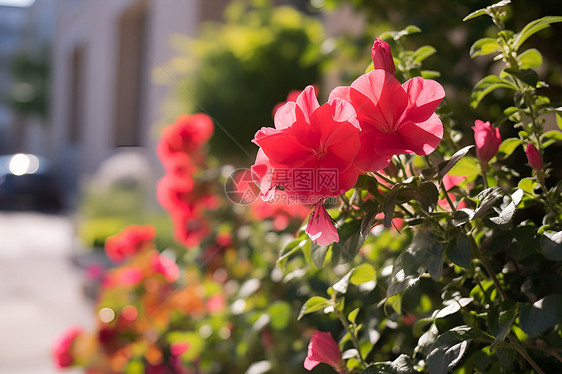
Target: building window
76, 91
132, 30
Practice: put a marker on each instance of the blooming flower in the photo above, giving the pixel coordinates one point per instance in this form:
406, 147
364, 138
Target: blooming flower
394, 118
61, 348
186, 135
534, 157
323, 348
320, 227
129, 241
487, 139
382, 57
307, 140
165, 266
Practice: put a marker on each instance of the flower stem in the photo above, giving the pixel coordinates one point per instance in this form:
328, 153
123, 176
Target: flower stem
351, 331
519, 348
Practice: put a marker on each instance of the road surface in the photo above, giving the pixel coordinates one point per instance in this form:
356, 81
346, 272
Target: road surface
40, 290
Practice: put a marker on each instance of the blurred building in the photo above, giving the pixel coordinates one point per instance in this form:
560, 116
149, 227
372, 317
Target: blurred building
103, 54
13, 21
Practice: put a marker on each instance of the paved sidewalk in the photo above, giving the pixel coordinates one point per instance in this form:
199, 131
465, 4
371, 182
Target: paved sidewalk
40, 290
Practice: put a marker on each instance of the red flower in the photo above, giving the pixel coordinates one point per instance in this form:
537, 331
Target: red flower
394, 118
534, 157
323, 348
487, 139
320, 227
186, 135
291, 96
60, 349
382, 57
128, 242
165, 266
308, 140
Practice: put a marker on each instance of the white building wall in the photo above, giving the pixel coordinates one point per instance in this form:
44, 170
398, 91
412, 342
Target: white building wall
95, 24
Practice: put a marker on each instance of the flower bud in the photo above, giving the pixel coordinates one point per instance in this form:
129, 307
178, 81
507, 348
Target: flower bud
487, 139
382, 57
534, 157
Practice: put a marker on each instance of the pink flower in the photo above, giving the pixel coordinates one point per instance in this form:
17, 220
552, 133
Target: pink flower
129, 241
382, 57
178, 348
185, 135
308, 140
323, 348
534, 157
320, 227
165, 266
215, 303
487, 139
130, 276
394, 118
60, 349
450, 181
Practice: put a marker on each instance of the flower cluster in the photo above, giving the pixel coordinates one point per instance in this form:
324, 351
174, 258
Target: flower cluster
322, 149
180, 152
137, 302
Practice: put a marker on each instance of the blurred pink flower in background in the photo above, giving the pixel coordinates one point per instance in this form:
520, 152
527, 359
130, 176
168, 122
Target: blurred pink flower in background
60, 350
129, 241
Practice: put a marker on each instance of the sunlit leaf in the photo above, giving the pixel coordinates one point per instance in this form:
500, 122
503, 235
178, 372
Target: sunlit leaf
530, 59
313, 304
533, 27
484, 46
507, 147
448, 165
487, 85
401, 365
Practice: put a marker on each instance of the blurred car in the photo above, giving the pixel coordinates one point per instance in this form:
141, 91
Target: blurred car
28, 182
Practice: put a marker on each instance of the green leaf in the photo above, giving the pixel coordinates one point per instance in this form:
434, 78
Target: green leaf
424, 251
551, 137
318, 254
357, 276
459, 251
448, 165
423, 52
487, 85
487, 199
280, 315
313, 304
427, 195
501, 325
542, 315
533, 27
484, 46
527, 76
551, 243
389, 202
462, 216
506, 215
352, 316
401, 365
448, 350
362, 274
467, 166
530, 59
507, 147
476, 13
528, 185
452, 306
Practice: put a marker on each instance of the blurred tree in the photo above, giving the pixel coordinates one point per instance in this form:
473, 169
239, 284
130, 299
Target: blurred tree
29, 95
237, 71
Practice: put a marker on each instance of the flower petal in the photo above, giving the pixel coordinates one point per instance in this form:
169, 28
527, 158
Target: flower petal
424, 95
422, 138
